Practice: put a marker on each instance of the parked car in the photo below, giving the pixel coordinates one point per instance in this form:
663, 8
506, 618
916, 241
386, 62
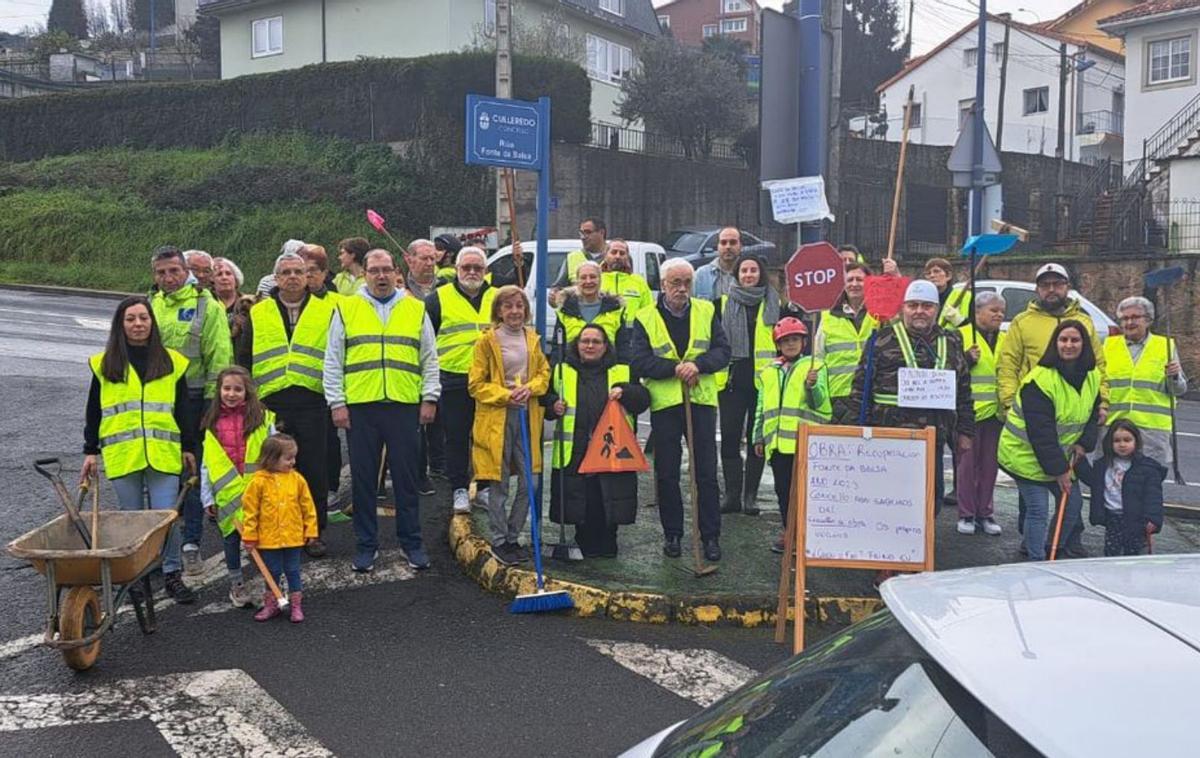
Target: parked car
645, 256
1017, 296
1080, 658
698, 245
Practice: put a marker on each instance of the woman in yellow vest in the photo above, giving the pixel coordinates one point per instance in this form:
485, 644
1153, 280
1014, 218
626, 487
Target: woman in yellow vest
235, 428
585, 303
1052, 424
508, 373
792, 390
136, 420
977, 467
582, 386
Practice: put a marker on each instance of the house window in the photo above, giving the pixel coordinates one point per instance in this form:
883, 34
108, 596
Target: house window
709, 30
998, 52
1170, 60
914, 120
489, 17
733, 25
613, 6
608, 61
735, 6
1037, 100
965, 108
664, 21
267, 36
970, 55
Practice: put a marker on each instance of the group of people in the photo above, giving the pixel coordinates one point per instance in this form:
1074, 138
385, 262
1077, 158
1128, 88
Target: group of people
431, 369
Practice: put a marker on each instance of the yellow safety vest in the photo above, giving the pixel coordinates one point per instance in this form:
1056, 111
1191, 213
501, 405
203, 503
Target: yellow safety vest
609, 321
277, 364
460, 328
764, 345
137, 421
786, 405
666, 393
629, 287
227, 484
1139, 392
567, 383
983, 375
346, 284
957, 309
383, 362
1072, 409
843, 348
910, 360
575, 259
186, 336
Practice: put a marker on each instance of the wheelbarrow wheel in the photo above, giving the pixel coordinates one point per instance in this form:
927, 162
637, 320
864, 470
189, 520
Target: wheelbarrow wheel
79, 616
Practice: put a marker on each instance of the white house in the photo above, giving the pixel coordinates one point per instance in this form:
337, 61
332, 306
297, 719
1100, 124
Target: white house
258, 36
944, 92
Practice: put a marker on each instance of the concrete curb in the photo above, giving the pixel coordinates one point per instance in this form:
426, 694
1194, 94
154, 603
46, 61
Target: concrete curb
47, 289
475, 558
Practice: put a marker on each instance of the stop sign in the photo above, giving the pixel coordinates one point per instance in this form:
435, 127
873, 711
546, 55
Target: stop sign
815, 276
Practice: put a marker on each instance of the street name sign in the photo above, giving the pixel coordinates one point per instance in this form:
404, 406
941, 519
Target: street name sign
506, 133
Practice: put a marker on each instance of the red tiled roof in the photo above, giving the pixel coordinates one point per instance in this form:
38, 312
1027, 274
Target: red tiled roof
1150, 8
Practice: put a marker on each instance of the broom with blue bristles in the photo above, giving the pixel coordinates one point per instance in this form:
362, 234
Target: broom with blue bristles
541, 600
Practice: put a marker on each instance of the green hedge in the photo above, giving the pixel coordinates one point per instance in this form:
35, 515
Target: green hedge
381, 99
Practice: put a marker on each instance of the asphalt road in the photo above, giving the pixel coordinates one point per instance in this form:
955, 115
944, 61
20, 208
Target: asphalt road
409, 664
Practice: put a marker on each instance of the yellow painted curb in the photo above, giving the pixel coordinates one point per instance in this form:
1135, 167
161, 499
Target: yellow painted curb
474, 556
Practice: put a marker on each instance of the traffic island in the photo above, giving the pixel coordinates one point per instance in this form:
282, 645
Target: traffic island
643, 585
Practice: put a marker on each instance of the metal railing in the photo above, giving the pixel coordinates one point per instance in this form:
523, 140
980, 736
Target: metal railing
1174, 226
628, 140
1127, 222
1173, 133
1086, 202
1100, 122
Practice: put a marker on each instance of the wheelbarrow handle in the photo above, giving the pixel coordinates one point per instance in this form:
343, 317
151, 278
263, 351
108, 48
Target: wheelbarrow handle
41, 465
188, 483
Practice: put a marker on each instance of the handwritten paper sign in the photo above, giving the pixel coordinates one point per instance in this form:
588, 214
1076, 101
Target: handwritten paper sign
884, 295
795, 201
926, 388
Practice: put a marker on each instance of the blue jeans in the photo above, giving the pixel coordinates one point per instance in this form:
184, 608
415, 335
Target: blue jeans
1037, 497
163, 489
284, 561
372, 426
233, 552
193, 511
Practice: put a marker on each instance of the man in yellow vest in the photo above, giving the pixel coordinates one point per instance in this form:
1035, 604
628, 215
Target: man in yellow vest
460, 310
618, 279
680, 342
1142, 368
381, 382
593, 235
193, 322
287, 334
843, 331
422, 257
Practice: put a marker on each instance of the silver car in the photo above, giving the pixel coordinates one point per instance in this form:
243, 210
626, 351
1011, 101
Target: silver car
1085, 658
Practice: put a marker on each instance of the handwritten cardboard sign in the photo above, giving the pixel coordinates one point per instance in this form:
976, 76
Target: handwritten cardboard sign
795, 201
926, 388
884, 295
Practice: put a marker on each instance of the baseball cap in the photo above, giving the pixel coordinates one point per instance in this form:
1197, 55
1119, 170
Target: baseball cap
1052, 268
921, 291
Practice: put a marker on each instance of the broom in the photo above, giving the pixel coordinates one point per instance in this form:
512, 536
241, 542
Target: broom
562, 550
541, 600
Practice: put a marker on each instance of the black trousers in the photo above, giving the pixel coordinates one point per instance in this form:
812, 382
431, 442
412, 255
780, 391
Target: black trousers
333, 458
433, 447
309, 426
374, 427
595, 536
670, 432
782, 465
737, 419
457, 410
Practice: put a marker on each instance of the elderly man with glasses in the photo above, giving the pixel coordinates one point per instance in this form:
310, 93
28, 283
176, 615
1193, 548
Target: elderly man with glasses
594, 237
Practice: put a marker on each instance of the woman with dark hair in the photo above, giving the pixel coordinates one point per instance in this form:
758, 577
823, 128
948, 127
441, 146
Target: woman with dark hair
136, 420
582, 386
1052, 425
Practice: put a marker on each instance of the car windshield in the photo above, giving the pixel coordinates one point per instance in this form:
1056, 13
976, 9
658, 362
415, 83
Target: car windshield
869, 691
684, 242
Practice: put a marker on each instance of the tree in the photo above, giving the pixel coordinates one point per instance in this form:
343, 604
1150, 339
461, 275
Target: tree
729, 48
206, 35
685, 93
68, 16
872, 49
119, 10
99, 23
139, 15
45, 44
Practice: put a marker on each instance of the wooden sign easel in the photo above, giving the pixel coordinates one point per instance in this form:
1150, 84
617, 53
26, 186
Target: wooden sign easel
795, 535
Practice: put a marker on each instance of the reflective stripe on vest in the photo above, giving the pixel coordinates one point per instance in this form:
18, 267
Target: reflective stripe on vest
188, 342
1072, 410
957, 309
567, 382
786, 405
383, 362
843, 348
460, 328
910, 360
983, 374
227, 484
1139, 392
764, 345
277, 364
609, 321
666, 393
137, 421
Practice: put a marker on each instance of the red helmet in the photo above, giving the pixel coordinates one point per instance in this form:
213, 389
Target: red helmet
788, 325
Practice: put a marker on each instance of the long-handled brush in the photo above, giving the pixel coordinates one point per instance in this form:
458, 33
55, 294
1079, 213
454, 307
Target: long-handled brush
541, 600
562, 550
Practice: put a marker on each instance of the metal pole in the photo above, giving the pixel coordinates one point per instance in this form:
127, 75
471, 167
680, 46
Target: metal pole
543, 222
503, 89
1003, 86
977, 124
1059, 150
814, 125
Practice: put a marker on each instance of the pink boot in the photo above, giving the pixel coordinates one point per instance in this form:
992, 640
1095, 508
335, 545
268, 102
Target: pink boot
294, 599
269, 610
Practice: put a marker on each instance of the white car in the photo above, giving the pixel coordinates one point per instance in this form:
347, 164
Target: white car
646, 257
1017, 295
1089, 658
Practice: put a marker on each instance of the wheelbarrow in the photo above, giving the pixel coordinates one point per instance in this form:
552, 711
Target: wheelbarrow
97, 568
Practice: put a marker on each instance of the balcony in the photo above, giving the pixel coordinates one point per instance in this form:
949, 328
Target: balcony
1100, 122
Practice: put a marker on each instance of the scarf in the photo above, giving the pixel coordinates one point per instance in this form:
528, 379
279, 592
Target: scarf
736, 320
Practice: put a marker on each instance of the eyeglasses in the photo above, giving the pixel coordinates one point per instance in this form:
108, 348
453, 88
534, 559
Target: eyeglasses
678, 283
289, 272
381, 271
470, 267
586, 232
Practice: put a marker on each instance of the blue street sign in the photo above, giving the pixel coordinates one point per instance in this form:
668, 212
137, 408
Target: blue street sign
506, 133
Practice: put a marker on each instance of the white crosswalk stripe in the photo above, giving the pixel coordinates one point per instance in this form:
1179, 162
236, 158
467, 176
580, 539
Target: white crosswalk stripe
696, 674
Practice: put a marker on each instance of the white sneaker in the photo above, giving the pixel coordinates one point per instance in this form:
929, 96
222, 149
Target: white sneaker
481, 497
192, 565
991, 527
462, 503
966, 526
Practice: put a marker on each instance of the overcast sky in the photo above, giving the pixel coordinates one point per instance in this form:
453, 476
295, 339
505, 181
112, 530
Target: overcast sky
934, 20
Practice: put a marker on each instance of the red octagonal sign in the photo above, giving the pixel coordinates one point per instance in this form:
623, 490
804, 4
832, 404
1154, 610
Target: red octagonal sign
815, 277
